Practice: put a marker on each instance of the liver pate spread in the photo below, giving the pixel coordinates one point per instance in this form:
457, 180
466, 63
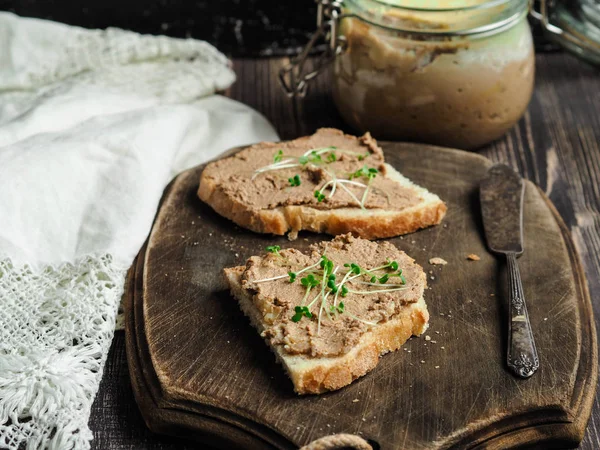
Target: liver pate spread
363, 306
272, 186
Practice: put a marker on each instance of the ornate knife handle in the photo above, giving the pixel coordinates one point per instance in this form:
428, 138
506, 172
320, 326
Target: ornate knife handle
522, 356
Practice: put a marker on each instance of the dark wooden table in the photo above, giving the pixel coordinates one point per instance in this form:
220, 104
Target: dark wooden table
556, 145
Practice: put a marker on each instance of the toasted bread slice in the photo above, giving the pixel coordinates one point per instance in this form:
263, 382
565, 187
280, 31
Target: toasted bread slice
240, 189
311, 371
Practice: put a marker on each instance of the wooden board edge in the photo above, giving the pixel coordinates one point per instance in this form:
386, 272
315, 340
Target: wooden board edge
213, 427
583, 403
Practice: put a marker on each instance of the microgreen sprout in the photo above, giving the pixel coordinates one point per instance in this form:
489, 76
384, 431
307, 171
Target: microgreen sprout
364, 171
301, 311
295, 180
361, 157
319, 196
310, 281
331, 158
273, 249
278, 156
324, 275
337, 308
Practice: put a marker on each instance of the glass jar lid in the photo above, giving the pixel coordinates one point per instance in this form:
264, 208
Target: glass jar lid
439, 17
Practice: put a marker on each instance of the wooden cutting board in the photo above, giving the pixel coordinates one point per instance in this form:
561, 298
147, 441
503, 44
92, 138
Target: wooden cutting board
200, 370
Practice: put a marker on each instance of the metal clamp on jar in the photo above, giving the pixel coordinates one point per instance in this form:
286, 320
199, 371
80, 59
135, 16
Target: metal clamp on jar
458, 73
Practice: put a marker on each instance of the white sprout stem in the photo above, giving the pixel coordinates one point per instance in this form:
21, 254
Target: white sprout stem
379, 284
361, 320
334, 186
327, 310
271, 279
325, 185
323, 297
377, 291
314, 300
364, 197
352, 195
308, 288
323, 302
275, 167
319, 151
339, 286
308, 268
354, 183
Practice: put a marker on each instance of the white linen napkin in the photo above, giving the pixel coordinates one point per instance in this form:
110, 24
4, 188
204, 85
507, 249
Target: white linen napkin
93, 125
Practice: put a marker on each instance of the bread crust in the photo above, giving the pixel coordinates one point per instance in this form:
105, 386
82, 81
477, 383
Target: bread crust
318, 375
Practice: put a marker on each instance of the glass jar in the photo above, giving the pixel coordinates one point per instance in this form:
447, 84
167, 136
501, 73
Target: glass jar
575, 24
457, 73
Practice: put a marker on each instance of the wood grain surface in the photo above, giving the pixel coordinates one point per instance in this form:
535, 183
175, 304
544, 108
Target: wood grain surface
199, 367
555, 145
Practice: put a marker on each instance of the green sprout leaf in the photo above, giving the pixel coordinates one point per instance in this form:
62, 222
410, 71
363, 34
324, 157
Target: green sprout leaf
331, 158
361, 157
295, 180
292, 276
393, 265
384, 279
319, 196
301, 311
364, 171
278, 156
344, 291
309, 280
273, 249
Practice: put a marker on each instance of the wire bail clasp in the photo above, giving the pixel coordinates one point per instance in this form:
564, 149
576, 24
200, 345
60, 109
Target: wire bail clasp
558, 33
294, 77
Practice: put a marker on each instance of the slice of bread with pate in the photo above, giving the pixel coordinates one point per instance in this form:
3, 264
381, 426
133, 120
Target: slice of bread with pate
328, 182
329, 315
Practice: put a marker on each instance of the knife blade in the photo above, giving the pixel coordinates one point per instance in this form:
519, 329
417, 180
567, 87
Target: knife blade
501, 197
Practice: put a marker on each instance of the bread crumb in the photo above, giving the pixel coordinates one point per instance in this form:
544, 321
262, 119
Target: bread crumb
473, 257
427, 338
432, 277
443, 348
437, 261
437, 367
422, 361
434, 342
445, 225
545, 318
364, 420
441, 314
193, 222
355, 400
437, 332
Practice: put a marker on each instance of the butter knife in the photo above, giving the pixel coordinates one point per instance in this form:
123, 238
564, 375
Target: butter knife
501, 195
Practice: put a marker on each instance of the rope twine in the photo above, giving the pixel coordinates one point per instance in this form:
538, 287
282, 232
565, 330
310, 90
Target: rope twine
338, 442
